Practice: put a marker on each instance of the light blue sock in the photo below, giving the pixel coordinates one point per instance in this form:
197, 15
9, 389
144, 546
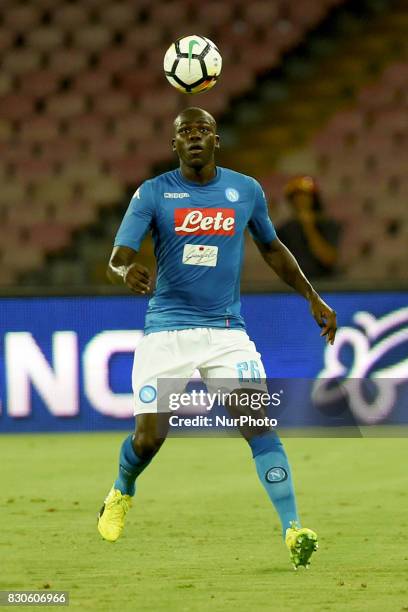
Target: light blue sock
130, 466
274, 472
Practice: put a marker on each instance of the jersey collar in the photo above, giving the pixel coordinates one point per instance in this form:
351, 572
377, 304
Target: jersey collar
213, 181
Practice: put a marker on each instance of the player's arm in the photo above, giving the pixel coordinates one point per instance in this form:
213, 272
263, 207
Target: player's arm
281, 260
124, 268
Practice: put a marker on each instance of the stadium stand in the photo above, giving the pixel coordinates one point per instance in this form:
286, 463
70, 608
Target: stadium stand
86, 113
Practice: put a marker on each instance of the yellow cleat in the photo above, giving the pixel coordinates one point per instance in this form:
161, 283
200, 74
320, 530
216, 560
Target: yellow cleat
302, 543
111, 517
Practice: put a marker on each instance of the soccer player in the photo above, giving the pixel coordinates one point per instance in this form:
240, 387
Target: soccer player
197, 215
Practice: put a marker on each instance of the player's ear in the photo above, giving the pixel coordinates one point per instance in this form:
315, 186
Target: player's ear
217, 141
173, 144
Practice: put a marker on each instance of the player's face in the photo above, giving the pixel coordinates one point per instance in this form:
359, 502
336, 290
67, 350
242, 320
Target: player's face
195, 141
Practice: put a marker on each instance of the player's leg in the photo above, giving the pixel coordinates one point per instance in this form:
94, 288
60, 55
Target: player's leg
136, 453
271, 461
236, 359
157, 356
139, 448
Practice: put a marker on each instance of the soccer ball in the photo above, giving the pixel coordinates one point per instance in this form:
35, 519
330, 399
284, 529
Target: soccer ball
192, 64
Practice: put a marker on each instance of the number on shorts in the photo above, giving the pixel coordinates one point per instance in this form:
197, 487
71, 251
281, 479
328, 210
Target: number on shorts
250, 369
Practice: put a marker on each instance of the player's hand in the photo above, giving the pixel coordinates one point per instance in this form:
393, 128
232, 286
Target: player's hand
325, 317
137, 278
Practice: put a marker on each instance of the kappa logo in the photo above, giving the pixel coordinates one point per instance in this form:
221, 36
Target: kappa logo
204, 221
176, 195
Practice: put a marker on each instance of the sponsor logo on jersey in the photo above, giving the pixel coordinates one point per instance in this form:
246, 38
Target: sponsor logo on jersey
204, 221
176, 195
232, 194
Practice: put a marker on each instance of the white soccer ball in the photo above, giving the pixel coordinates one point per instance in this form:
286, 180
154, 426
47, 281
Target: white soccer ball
192, 64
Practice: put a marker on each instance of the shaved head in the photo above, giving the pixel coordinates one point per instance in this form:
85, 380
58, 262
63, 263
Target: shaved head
194, 113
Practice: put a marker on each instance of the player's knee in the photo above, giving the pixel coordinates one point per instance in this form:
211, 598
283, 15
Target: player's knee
146, 444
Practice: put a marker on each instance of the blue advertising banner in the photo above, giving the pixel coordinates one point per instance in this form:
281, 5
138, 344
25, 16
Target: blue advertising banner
66, 362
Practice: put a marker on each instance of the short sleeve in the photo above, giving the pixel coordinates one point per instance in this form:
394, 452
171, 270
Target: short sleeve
138, 218
260, 226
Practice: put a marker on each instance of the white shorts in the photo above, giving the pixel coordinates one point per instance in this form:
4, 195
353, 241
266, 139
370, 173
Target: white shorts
215, 353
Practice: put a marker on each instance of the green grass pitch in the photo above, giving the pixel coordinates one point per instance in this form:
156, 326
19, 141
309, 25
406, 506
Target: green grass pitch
202, 534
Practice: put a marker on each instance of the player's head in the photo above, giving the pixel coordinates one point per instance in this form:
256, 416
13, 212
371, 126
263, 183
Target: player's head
303, 192
195, 137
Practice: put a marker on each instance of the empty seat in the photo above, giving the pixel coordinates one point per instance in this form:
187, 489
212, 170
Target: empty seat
262, 12
75, 213
120, 16
81, 170
63, 106
45, 38
49, 235
113, 103
92, 37
117, 59
14, 106
32, 170
21, 61
104, 191
39, 129
93, 82
21, 18
39, 83
134, 127
11, 192
23, 258
6, 38
87, 126
130, 169
70, 16
68, 62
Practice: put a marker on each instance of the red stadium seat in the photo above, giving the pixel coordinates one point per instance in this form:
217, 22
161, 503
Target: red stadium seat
117, 60
49, 235
63, 106
14, 106
21, 18
68, 62
39, 83
41, 128
45, 38
93, 82
6, 38
21, 62
120, 16
92, 37
113, 103
70, 16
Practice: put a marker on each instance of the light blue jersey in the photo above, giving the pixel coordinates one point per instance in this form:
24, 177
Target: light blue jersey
198, 234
